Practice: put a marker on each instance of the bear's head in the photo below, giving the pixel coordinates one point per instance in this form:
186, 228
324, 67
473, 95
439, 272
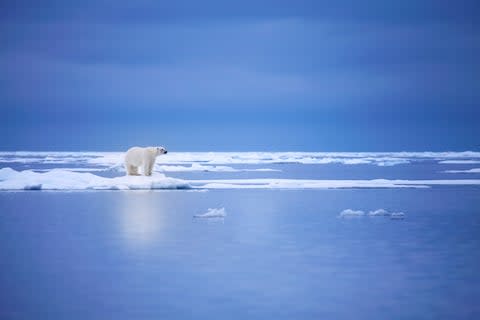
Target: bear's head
161, 150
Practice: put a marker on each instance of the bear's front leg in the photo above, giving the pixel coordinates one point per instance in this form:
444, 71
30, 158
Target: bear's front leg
147, 170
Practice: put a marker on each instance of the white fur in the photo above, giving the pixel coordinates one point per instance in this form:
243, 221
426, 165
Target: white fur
142, 157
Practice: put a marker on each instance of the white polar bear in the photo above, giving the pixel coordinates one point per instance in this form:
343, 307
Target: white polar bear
142, 157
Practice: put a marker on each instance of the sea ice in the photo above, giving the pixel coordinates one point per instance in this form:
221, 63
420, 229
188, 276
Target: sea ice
474, 170
109, 159
397, 216
351, 213
373, 213
379, 212
58, 179
212, 213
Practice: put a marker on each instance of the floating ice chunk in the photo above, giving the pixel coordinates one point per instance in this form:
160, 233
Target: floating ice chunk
7, 173
206, 168
212, 213
459, 162
323, 184
58, 179
373, 213
351, 213
379, 212
392, 162
195, 167
397, 216
474, 170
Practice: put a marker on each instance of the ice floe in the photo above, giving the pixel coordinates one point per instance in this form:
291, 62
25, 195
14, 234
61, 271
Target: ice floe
351, 213
378, 212
459, 162
109, 159
323, 184
212, 213
374, 213
206, 168
474, 170
58, 179
397, 216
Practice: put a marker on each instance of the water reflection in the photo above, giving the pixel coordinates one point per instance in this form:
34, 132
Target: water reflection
142, 218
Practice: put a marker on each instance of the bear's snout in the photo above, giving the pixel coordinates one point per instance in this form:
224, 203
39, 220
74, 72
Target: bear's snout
166, 151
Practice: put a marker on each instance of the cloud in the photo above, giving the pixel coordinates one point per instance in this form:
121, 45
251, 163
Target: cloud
148, 12
265, 63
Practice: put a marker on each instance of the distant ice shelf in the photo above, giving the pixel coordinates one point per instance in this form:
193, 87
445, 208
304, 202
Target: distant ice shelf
109, 159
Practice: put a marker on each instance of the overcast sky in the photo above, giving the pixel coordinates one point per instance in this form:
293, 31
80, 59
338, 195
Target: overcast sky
240, 75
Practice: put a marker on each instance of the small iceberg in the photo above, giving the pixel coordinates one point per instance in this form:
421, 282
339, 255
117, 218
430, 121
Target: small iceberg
351, 213
379, 212
347, 213
397, 216
212, 213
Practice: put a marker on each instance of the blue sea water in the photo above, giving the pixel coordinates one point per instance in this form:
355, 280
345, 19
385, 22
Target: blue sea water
277, 254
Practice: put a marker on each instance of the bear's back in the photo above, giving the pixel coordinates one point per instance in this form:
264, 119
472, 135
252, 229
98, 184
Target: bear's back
135, 156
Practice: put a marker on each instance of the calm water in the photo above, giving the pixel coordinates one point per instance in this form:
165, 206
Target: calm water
276, 255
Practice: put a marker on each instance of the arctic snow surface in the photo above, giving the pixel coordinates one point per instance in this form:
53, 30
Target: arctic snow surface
239, 170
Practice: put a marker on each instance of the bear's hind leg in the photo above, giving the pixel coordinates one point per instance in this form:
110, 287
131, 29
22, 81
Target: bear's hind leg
132, 170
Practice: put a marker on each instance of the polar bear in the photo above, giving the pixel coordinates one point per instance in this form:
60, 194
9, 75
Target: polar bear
142, 157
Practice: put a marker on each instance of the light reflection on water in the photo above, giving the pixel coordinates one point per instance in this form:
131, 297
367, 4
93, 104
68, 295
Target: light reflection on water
141, 218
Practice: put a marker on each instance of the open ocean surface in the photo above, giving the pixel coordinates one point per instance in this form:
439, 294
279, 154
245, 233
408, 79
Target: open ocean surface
297, 238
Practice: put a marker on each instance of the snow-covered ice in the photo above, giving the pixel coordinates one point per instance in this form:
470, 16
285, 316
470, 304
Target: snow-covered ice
108, 159
378, 212
351, 213
474, 170
212, 213
323, 184
374, 213
58, 179
397, 216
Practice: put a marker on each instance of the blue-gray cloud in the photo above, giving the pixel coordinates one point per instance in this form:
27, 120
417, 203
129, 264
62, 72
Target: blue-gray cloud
269, 63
